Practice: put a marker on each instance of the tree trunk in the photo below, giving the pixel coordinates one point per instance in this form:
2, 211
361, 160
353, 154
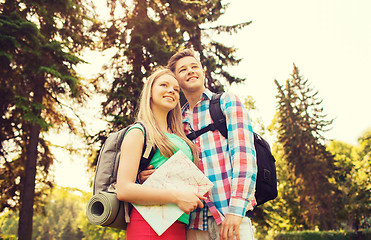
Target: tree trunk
28, 192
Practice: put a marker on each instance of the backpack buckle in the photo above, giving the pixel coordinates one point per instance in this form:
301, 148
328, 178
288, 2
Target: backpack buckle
191, 136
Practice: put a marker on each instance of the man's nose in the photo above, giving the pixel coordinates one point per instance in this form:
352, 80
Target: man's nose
190, 70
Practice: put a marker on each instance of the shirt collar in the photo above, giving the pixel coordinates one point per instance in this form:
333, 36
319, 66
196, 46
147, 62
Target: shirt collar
207, 94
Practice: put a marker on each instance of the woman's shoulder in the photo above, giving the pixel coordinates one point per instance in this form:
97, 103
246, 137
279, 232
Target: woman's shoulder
138, 125
136, 129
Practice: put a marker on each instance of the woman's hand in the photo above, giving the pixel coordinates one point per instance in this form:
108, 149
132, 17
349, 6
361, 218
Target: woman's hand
188, 201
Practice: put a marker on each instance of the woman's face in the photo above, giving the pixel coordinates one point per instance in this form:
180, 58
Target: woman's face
165, 93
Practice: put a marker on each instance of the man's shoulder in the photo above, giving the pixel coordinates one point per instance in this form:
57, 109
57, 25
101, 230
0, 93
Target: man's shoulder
227, 97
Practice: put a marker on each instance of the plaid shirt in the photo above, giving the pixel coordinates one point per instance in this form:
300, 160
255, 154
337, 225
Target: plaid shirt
230, 164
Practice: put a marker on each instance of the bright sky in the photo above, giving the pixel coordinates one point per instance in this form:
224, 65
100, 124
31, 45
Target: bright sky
328, 40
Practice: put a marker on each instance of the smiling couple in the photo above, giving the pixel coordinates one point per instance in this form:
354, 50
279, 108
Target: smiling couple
230, 164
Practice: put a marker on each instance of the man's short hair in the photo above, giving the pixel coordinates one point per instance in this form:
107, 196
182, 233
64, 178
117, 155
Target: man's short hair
179, 55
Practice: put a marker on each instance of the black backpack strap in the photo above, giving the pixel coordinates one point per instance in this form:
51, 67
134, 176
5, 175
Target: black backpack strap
193, 135
219, 121
148, 151
217, 115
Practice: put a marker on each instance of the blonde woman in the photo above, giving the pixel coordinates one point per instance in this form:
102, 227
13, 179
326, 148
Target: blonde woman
160, 112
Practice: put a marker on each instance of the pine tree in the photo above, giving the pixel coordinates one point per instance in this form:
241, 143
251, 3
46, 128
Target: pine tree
301, 124
146, 34
38, 46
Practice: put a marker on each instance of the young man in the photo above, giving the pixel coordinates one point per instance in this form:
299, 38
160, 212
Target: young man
229, 163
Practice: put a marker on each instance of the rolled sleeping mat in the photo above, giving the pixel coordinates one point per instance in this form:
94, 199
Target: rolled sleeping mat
106, 210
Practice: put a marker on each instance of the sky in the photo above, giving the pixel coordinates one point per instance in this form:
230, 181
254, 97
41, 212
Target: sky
328, 40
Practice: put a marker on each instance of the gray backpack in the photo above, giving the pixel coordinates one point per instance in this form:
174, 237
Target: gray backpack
104, 208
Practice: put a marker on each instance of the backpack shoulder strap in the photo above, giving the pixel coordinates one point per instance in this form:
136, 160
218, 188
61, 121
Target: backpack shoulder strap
217, 115
148, 150
219, 120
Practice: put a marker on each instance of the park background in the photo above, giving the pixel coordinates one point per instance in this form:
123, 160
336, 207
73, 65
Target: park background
329, 42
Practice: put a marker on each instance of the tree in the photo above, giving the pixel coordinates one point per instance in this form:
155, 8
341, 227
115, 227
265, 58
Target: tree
353, 178
310, 167
63, 217
59, 220
145, 34
39, 42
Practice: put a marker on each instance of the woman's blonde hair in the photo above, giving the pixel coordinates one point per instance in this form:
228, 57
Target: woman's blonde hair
174, 119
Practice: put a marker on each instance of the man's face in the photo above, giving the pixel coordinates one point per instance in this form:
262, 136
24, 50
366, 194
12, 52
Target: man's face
189, 74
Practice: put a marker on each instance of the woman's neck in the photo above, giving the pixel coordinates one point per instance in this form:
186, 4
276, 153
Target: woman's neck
161, 120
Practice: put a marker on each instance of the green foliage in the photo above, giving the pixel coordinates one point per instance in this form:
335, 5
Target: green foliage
309, 167
30, 111
148, 35
33, 62
39, 42
353, 178
319, 186
145, 34
8, 224
323, 235
7, 237
63, 218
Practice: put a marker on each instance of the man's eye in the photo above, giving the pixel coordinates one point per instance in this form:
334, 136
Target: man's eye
177, 90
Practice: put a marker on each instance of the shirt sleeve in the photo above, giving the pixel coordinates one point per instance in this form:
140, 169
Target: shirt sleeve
242, 154
136, 125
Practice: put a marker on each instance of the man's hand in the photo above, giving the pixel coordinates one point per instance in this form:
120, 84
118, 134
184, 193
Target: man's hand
144, 175
230, 227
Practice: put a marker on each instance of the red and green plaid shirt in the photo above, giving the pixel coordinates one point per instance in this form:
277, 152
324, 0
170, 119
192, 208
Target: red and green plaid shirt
230, 164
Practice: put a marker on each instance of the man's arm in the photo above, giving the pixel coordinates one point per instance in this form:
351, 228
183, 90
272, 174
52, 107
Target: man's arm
244, 172
144, 175
242, 154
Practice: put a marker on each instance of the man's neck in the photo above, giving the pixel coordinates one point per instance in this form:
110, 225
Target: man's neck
193, 97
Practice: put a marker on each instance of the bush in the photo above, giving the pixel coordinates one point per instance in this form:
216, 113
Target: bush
7, 237
325, 235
